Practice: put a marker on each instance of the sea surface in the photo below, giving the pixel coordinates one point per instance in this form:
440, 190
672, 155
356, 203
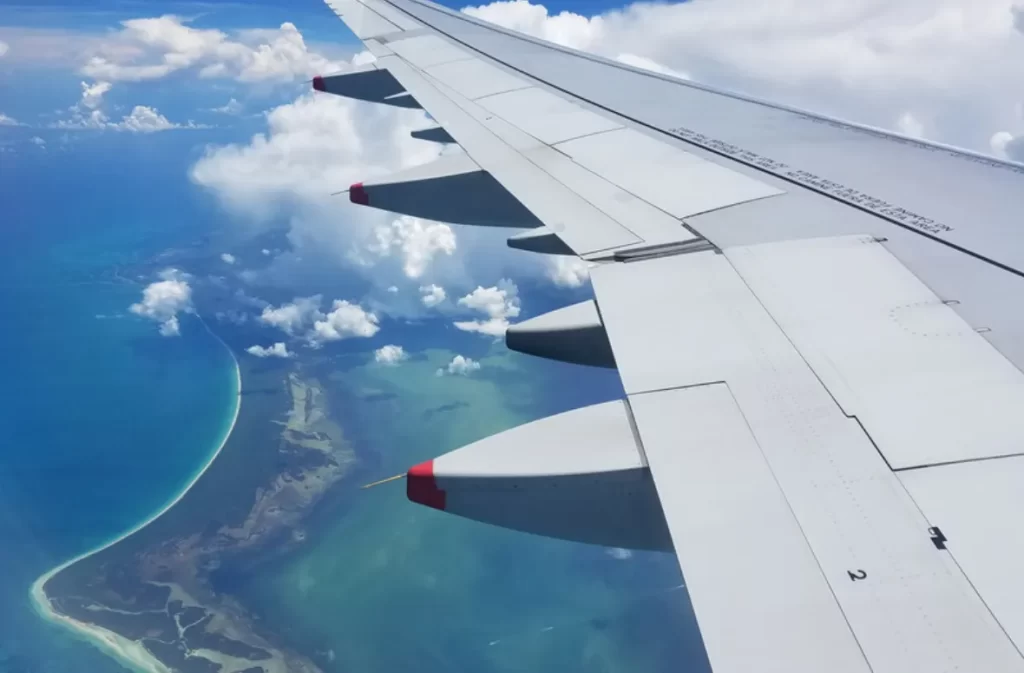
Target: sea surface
102, 421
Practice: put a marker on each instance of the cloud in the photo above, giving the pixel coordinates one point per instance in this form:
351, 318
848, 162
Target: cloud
294, 317
265, 252
1008, 146
566, 28
164, 299
416, 240
345, 320
142, 119
8, 121
909, 125
278, 350
498, 303
566, 271
303, 317
313, 147
619, 554
393, 289
4, 48
36, 140
318, 145
92, 94
460, 366
152, 48
232, 107
227, 258
147, 120
87, 113
432, 295
390, 354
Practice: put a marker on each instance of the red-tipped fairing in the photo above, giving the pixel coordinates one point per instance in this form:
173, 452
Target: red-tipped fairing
421, 488
357, 194
575, 476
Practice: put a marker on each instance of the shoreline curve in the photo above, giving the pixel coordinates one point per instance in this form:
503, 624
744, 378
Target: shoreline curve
127, 651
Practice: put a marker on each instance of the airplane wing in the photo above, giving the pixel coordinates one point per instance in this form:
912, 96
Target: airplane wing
817, 325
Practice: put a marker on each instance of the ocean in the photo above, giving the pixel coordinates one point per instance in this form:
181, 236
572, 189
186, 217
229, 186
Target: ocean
102, 421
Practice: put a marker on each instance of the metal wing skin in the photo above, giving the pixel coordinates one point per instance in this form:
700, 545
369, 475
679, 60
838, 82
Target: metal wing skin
817, 326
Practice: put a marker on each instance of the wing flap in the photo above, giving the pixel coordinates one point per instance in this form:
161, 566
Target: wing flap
909, 605
926, 387
976, 508
757, 590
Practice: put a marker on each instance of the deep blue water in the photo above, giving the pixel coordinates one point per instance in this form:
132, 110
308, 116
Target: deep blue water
89, 392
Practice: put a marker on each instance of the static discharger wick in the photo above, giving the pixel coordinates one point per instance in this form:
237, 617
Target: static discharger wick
384, 481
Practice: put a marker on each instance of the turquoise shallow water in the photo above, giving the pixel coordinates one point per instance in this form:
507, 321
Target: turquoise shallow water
101, 419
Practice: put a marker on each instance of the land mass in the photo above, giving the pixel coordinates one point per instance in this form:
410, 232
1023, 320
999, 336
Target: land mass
149, 599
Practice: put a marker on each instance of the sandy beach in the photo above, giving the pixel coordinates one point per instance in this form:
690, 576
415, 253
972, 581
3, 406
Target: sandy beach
128, 651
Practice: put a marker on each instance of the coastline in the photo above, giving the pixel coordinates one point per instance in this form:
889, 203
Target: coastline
125, 650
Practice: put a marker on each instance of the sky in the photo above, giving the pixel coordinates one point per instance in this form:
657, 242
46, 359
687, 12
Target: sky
231, 80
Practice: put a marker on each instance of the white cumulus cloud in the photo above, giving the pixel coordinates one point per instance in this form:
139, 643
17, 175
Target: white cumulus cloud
4, 48
566, 271
303, 317
390, 354
416, 240
164, 299
142, 119
459, 366
498, 303
8, 121
277, 350
152, 48
909, 125
228, 258
232, 107
345, 320
92, 94
432, 295
294, 317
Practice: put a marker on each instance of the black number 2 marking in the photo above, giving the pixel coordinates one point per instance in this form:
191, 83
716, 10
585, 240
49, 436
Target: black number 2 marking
856, 575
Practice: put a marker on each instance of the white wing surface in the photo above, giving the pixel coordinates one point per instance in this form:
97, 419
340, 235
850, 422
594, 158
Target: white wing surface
817, 326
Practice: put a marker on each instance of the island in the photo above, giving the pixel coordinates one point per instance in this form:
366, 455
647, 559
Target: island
150, 598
